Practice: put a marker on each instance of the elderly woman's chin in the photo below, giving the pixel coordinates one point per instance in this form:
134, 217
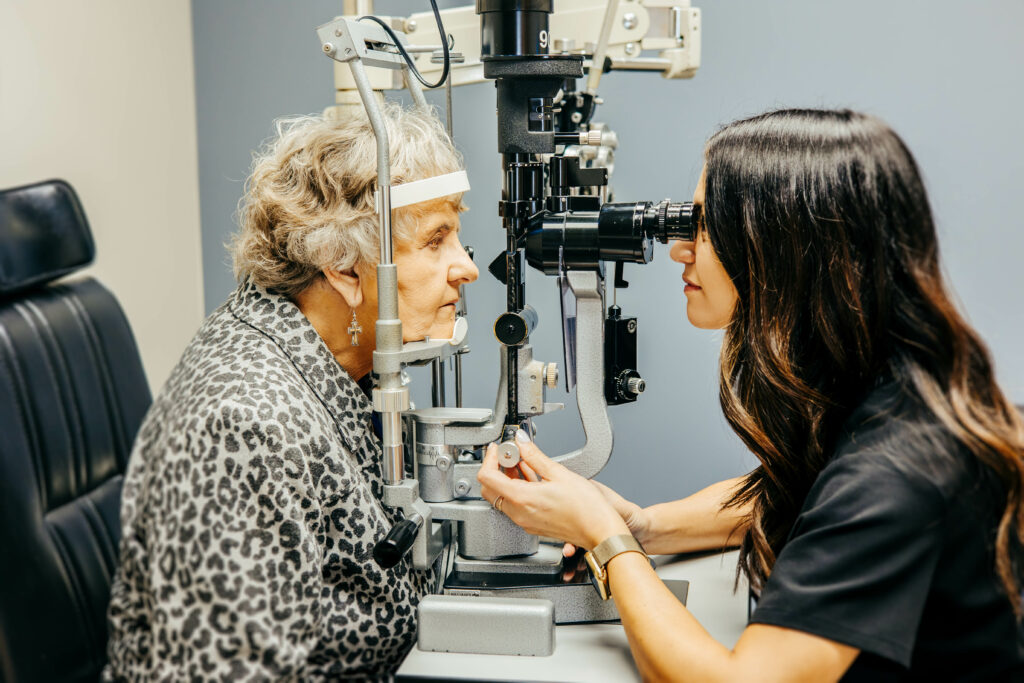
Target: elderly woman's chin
444, 323
440, 325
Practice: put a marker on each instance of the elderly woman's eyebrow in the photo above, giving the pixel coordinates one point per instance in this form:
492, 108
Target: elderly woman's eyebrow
444, 228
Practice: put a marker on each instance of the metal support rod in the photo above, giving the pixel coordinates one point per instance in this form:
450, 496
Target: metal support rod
448, 106
437, 382
461, 309
641, 64
513, 305
437, 388
458, 380
511, 191
360, 7
380, 131
416, 90
597, 63
393, 396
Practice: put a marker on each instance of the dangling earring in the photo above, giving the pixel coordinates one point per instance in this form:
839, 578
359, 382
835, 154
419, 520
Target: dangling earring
354, 329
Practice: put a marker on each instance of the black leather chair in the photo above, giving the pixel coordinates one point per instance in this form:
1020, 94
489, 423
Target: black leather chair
72, 396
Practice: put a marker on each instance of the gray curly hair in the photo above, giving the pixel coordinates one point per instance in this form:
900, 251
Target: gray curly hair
308, 203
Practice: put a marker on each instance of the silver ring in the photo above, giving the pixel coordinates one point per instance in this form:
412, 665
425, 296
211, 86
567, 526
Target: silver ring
497, 503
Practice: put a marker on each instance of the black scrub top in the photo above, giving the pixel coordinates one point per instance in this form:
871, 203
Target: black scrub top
893, 554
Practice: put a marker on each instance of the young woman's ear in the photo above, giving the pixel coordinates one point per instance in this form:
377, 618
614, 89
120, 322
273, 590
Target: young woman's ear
347, 284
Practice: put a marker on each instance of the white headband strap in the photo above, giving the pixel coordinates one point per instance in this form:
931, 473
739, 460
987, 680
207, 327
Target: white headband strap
427, 189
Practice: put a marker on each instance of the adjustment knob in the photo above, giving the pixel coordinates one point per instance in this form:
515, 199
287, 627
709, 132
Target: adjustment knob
630, 384
508, 454
393, 547
513, 329
551, 375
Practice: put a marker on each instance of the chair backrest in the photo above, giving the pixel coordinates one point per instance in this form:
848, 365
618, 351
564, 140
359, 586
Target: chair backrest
72, 396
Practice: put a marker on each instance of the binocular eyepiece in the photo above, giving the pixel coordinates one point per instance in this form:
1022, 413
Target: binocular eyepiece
663, 221
618, 232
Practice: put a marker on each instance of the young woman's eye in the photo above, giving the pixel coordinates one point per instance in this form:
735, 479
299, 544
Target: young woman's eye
435, 243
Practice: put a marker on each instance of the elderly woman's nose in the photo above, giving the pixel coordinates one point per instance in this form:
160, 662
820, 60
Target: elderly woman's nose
682, 251
463, 267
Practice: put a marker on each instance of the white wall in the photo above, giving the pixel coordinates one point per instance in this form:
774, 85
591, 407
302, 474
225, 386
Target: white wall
944, 73
102, 94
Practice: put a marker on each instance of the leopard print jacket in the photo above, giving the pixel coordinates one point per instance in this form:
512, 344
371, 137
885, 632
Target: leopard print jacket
249, 514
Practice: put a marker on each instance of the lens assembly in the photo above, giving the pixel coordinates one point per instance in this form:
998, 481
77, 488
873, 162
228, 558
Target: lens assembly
618, 232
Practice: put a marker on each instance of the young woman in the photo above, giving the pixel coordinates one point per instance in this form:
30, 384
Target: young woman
883, 527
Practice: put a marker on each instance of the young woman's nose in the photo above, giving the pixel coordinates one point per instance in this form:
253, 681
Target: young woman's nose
682, 251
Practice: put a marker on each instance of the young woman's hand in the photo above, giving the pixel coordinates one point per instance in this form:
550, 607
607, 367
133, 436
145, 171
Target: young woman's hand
631, 513
547, 499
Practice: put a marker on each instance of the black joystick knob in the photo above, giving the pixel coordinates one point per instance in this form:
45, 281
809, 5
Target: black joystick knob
393, 547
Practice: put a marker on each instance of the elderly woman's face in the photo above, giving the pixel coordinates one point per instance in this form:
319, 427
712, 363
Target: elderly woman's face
431, 266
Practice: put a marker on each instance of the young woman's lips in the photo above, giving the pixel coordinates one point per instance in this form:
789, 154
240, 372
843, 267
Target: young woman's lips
690, 287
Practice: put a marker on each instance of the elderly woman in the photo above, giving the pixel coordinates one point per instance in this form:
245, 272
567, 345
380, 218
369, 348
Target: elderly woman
252, 497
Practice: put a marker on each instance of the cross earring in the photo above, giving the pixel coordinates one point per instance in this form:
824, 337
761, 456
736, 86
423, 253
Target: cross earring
354, 329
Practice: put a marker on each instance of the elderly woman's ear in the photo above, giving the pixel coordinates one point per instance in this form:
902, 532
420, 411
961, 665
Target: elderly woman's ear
347, 284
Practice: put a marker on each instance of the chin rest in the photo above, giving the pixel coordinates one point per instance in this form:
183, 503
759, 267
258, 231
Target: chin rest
72, 397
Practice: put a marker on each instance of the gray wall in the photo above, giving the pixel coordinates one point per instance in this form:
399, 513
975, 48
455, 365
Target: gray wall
944, 74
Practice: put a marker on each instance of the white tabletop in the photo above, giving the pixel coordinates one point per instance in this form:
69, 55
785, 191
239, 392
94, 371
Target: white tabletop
599, 652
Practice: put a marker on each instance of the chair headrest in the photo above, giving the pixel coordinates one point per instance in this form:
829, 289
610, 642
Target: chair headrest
43, 235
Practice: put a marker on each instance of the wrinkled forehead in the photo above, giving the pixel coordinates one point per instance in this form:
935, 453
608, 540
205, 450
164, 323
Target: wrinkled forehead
430, 212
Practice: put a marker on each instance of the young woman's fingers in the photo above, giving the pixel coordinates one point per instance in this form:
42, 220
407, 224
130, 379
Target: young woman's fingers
490, 472
528, 472
534, 458
493, 481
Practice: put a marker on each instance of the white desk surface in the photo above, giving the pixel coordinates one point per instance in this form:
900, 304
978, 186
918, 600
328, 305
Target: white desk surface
600, 652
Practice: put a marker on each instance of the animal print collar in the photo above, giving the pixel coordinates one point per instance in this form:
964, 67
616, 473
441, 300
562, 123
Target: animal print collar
281, 320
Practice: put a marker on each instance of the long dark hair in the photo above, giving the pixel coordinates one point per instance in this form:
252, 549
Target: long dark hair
822, 221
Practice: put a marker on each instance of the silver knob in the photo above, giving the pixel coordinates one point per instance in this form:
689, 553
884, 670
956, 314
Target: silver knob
636, 385
508, 454
551, 375
590, 137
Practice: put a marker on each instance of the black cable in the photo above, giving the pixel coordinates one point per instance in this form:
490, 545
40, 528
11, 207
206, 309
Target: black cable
405, 55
